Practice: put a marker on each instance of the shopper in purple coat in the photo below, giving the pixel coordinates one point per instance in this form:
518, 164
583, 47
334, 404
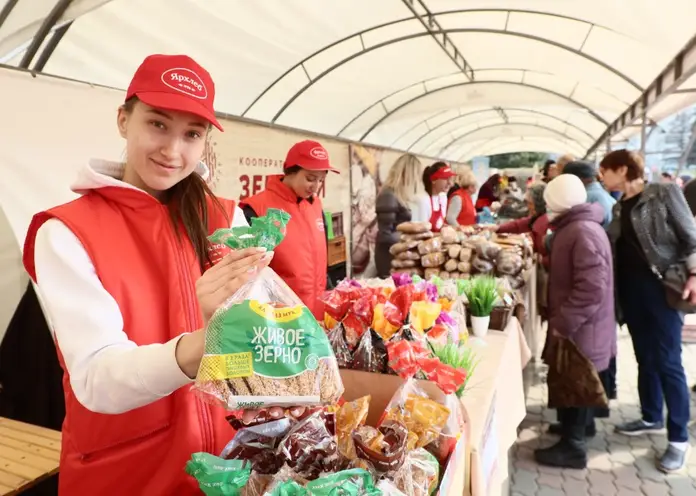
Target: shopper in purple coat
581, 300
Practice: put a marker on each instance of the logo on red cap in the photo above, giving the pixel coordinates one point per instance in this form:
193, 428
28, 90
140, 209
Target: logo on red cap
319, 153
185, 81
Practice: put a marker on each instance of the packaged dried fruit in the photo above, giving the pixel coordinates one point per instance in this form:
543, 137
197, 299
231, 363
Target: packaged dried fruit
263, 347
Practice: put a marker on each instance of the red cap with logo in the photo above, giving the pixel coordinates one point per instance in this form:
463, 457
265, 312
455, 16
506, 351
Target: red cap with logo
442, 173
175, 82
309, 155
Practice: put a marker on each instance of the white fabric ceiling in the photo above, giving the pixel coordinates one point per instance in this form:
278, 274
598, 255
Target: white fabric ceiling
505, 74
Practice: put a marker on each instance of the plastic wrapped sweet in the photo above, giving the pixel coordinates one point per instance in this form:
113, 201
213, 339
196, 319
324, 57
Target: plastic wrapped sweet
442, 447
419, 475
454, 251
422, 416
257, 484
404, 264
258, 444
349, 417
509, 263
414, 227
339, 345
371, 353
448, 235
408, 255
286, 482
482, 266
310, 448
381, 325
402, 246
384, 447
431, 245
488, 250
434, 259
423, 315
466, 254
418, 236
353, 482
406, 356
451, 265
216, 476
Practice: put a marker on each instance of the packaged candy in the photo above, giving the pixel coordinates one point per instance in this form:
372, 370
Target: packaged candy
406, 355
349, 417
263, 347
423, 315
339, 345
371, 354
445, 443
310, 448
384, 447
401, 279
423, 417
381, 325
353, 482
354, 328
419, 475
257, 484
397, 308
287, 482
389, 489
258, 445
218, 477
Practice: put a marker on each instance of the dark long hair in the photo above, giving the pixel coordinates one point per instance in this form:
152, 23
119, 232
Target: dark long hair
188, 208
428, 172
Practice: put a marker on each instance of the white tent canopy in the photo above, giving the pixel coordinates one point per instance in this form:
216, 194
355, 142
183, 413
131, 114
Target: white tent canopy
451, 77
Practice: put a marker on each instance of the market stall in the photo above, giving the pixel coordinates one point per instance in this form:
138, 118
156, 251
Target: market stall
398, 398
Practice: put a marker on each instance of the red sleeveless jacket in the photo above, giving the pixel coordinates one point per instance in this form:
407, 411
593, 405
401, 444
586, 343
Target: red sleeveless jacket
301, 258
130, 239
467, 215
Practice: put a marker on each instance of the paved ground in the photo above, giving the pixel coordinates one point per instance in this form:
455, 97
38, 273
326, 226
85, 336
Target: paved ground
618, 465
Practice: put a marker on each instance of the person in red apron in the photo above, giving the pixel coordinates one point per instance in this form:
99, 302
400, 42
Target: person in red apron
126, 276
438, 178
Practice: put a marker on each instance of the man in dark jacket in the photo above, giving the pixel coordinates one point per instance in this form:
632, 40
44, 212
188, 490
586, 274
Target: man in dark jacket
580, 302
595, 192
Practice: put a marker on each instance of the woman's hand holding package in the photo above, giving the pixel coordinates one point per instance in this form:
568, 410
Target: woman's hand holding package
226, 277
214, 287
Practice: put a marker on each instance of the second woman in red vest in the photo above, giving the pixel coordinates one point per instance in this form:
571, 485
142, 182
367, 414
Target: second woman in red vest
301, 258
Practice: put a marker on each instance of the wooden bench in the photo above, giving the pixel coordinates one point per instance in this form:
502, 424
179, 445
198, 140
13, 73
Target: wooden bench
28, 455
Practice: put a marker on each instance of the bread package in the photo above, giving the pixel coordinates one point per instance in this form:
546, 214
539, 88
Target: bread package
414, 227
397, 248
451, 265
430, 246
417, 237
433, 259
449, 235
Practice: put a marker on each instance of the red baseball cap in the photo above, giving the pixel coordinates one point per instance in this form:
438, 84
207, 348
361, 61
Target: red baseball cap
309, 155
442, 173
175, 82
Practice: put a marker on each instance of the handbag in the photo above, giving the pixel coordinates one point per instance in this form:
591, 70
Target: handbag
674, 280
573, 381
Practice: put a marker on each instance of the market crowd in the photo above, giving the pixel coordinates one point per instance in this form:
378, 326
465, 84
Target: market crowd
613, 248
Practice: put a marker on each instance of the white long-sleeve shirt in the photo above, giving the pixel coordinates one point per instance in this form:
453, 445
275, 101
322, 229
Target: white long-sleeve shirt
109, 373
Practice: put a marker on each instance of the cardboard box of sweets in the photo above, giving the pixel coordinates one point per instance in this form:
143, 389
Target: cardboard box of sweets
381, 388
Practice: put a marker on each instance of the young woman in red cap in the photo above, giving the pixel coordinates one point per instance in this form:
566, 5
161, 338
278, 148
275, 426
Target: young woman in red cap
438, 178
119, 272
301, 258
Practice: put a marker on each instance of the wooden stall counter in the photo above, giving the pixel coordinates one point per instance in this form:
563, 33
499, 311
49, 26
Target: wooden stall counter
28, 455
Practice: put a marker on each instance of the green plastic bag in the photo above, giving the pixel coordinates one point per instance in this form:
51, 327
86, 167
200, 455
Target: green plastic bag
216, 476
354, 482
263, 346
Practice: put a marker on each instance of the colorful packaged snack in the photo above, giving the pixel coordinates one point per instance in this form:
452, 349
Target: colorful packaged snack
419, 475
423, 417
263, 346
218, 477
384, 447
371, 354
310, 448
349, 417
258, 445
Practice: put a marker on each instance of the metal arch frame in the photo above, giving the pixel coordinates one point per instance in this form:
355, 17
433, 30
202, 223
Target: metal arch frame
504, 124
493, 149
7, 10
393, 41
494, 109
44, 30
512, 83
50, 47
432, 26
425, 81
359, 35
474, 150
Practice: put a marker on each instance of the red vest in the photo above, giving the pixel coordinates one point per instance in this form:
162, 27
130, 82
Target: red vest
437, 218
131, 241
467, 215
301, 258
